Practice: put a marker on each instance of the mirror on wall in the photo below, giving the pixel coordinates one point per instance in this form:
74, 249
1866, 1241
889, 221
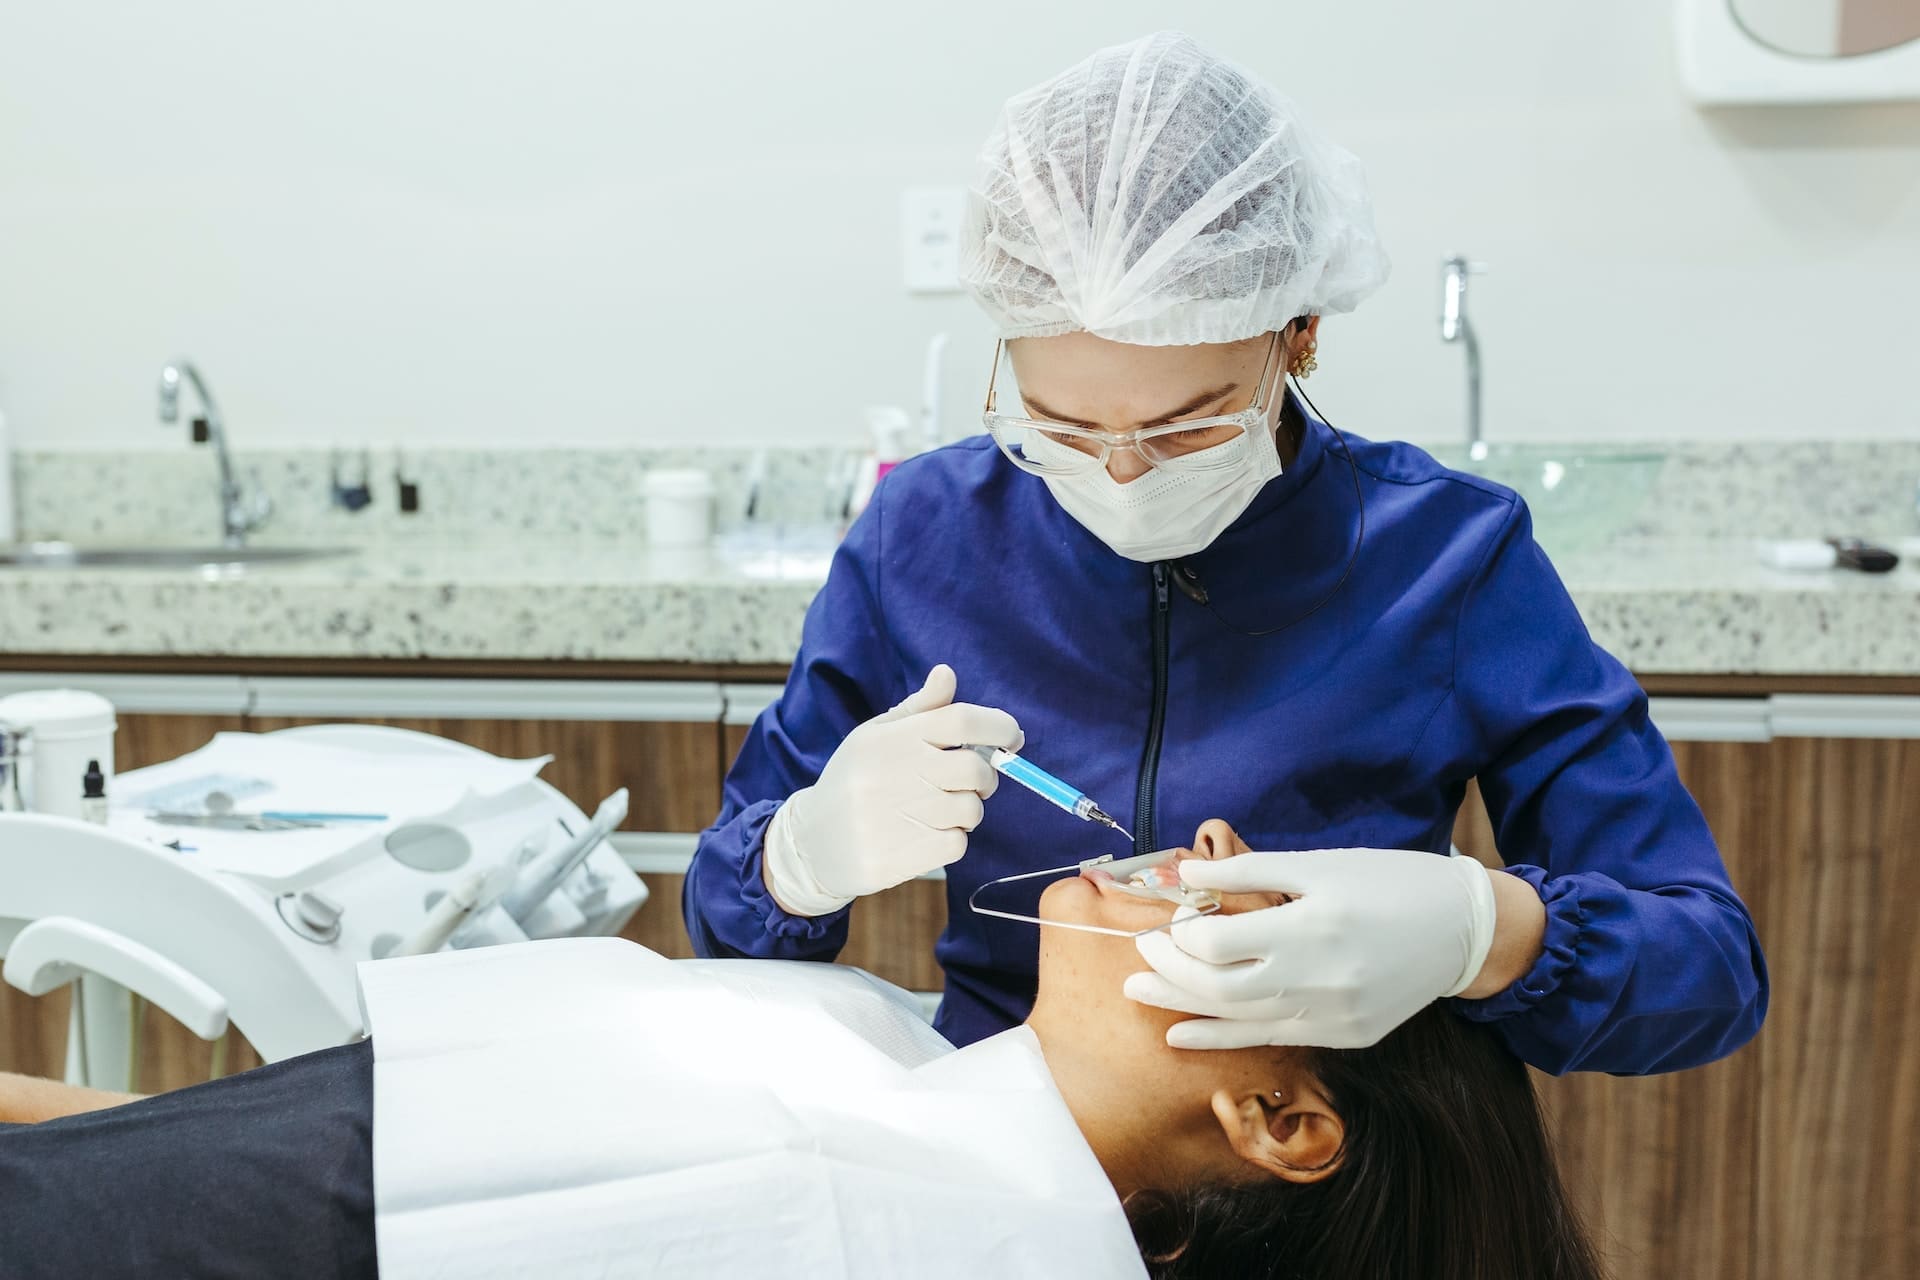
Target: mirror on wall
1772, 52
1829, 28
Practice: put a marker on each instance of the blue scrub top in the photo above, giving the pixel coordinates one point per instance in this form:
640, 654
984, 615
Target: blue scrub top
1451, 652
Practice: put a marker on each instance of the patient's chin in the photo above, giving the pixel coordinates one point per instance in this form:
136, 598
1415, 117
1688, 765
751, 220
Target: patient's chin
1078, 900
1074, 899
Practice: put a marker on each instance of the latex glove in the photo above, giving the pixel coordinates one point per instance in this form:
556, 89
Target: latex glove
1372, 937
892, 803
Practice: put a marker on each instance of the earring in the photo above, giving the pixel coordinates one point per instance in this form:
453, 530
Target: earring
1305, 363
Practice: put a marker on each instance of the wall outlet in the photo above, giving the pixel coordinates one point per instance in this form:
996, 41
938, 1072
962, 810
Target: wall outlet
930, 237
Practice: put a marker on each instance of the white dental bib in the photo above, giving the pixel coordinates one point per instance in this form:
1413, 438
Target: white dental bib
585, 1107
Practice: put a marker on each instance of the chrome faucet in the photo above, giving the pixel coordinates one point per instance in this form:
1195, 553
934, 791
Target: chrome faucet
241, 512
1455, 327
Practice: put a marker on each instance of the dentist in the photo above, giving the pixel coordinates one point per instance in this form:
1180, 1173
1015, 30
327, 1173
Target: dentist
1200, 598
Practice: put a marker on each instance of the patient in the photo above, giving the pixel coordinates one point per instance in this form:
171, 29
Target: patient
1423, 1156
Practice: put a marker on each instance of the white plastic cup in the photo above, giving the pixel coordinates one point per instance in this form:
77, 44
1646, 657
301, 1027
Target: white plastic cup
70, 728
679, 507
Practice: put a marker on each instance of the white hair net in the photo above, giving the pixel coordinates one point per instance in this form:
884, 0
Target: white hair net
1157, 195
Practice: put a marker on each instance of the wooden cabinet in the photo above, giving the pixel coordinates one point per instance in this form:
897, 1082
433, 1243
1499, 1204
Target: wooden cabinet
1838, 1156
1800, 1154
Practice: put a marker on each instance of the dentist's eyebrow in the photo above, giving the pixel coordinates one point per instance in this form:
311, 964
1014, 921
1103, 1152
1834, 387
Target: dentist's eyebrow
1200, 401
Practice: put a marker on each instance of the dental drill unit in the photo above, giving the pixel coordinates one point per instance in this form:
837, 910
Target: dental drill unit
408, 844
527, 907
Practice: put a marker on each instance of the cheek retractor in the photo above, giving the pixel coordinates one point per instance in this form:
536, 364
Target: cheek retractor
1157, 876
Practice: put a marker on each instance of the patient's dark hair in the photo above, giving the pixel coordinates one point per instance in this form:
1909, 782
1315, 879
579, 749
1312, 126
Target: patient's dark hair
1445, 1174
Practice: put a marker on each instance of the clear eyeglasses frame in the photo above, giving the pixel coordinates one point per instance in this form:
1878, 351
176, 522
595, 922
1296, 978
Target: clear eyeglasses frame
1189, 904
1046, 448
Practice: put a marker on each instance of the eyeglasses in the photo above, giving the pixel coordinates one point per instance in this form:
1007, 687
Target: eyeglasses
1057, 448
1131, 876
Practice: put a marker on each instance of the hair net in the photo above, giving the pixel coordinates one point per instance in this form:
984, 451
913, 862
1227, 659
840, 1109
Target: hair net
1157, 195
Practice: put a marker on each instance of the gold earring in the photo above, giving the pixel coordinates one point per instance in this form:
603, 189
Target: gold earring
1305, 363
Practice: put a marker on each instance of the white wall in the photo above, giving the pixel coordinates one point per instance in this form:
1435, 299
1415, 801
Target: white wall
596, 221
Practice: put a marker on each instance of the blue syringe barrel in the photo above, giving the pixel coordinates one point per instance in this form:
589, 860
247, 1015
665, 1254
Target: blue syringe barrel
1038, 780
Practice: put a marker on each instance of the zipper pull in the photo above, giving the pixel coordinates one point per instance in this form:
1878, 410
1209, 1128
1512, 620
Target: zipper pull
1187, 578
1160, 600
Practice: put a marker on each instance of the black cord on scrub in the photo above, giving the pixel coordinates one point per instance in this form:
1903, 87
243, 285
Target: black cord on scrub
1188, 580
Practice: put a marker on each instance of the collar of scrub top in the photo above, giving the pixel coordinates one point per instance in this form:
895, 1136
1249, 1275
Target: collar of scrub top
1189, 904
1314, 446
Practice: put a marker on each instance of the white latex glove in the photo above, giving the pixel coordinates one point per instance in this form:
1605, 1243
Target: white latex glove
892, 803
1372, 937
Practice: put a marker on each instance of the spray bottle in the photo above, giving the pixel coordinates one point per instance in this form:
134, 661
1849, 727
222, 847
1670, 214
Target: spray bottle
892, 431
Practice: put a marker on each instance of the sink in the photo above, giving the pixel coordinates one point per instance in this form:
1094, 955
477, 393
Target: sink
64, 555
1579, 497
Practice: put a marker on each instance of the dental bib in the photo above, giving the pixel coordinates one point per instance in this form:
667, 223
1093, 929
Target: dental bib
587, 1107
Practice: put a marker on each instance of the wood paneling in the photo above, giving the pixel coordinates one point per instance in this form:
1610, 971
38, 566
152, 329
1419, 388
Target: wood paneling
1839, 1141
172, 1057
1681, 684
1662, 1168
33, 1041
142, 740
1800, 1154
658, 924
670, 769
1708, 686
733, 737
33, 1032
891, 934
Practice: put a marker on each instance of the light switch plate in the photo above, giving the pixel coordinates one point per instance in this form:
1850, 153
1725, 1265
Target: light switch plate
930, 220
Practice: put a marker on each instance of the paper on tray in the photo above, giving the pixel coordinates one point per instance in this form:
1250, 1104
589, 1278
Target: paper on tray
583, 1107
311, 776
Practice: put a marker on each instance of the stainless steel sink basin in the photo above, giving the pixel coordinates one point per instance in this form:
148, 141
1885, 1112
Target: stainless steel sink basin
64, 555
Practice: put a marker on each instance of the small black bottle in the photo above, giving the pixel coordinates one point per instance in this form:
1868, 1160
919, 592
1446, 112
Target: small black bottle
93, 795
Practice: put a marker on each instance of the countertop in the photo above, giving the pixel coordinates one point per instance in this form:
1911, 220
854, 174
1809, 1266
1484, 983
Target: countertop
1700, 606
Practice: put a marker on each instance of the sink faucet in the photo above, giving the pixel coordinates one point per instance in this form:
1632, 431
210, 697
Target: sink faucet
240, 512
1455, 327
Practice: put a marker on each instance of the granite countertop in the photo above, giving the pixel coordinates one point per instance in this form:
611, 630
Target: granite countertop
1664, 605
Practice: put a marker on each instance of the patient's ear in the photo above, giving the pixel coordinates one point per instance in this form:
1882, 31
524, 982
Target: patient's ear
1295, 1136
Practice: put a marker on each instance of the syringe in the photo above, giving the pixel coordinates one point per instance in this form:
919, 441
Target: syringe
1047, 787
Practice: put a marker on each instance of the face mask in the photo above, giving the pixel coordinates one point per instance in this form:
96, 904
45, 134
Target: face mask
1165, 515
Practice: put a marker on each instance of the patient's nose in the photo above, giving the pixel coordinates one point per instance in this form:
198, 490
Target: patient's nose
1216, 839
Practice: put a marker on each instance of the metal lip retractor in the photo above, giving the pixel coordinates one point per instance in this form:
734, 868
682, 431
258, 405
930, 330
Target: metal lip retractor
1190, 904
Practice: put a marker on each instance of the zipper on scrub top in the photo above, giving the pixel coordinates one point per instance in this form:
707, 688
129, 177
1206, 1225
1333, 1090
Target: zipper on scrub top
1144, 836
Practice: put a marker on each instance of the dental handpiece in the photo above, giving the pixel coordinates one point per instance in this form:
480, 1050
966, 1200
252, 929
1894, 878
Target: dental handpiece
448, 914
541, 878
1047, 787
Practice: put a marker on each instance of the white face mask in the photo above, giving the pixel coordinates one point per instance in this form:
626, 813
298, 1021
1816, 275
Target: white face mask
1165, 515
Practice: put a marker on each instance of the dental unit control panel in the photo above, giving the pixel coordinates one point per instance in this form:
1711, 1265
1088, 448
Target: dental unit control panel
244, 881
